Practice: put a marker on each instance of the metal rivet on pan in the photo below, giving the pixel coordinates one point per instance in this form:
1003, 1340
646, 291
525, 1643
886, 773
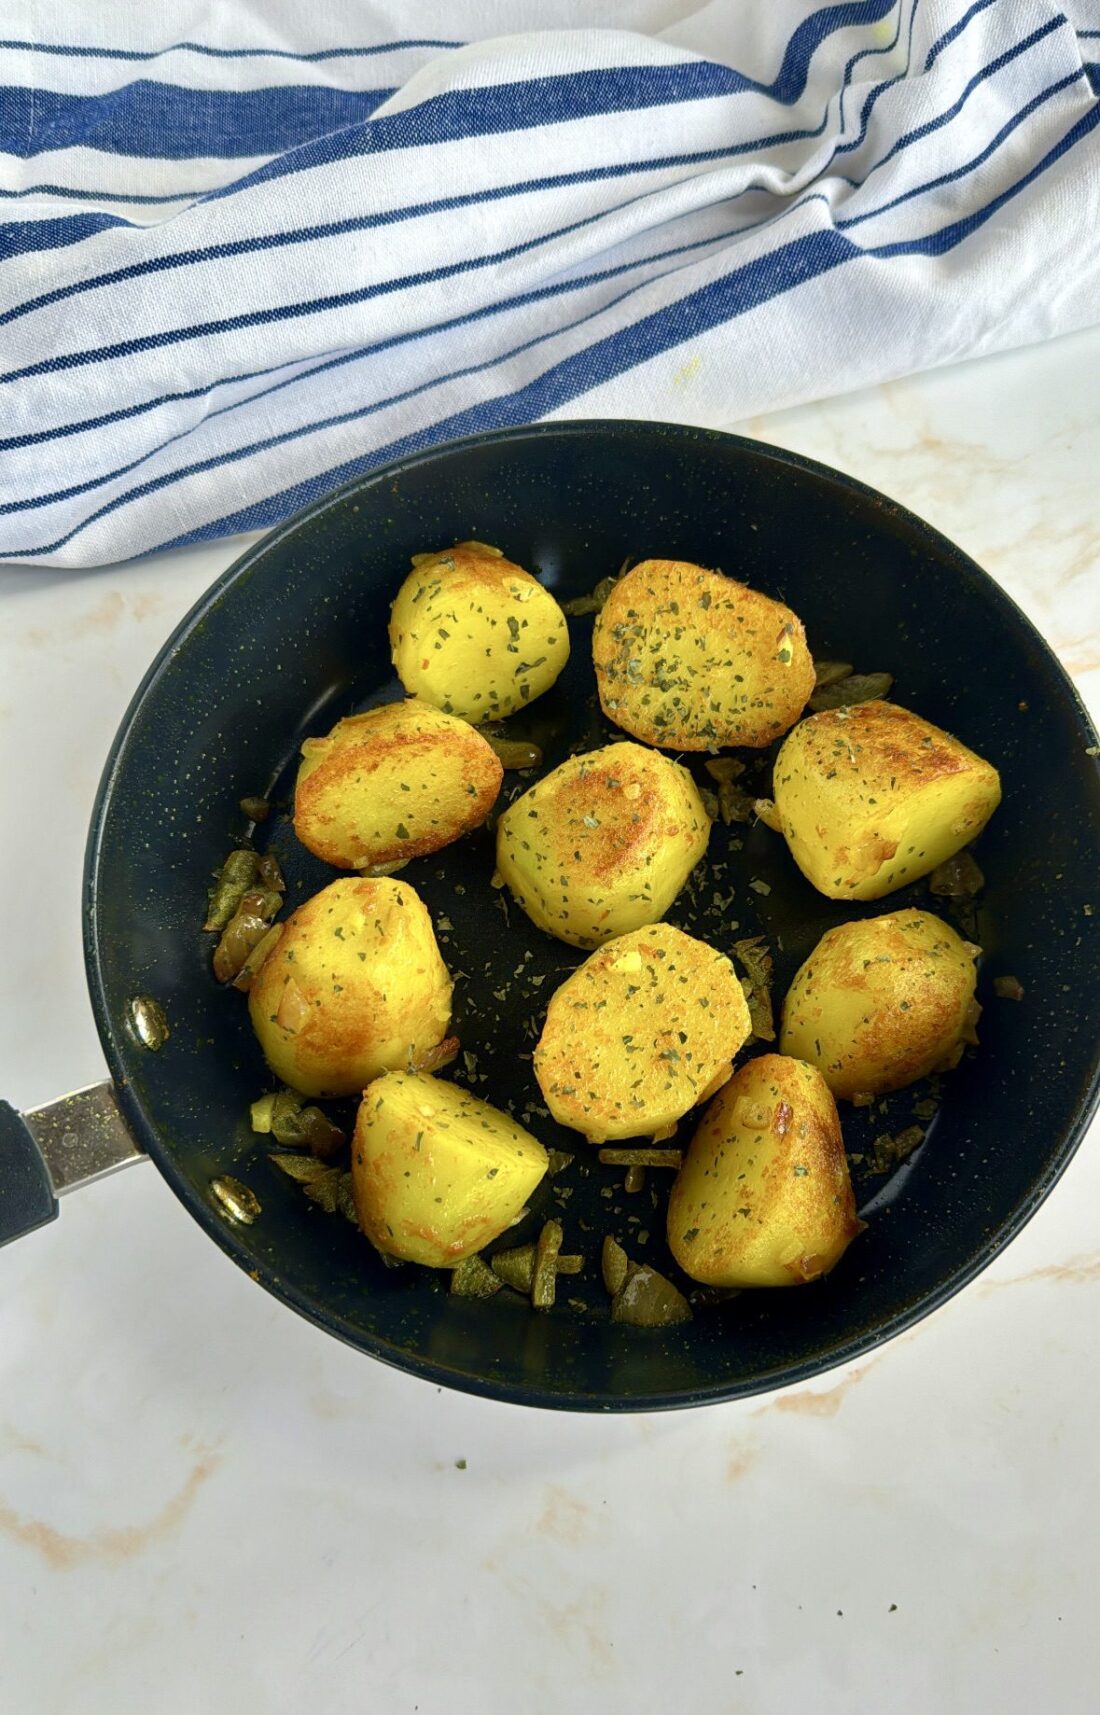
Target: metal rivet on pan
235, 1201
150, 1024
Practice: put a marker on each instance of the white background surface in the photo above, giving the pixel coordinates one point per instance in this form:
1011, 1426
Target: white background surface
207, 1505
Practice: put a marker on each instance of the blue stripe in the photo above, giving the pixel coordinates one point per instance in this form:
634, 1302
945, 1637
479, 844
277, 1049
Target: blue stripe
504, 305
956, 29
76, 195
19, 236
238, 247
746, 288
538, 294
890, 83
1006, 130
83, 424
939, 243
334, 228
171, 123
69, 51
693, 315
547, 101
290, 312
790, 81
355, 143
987, 71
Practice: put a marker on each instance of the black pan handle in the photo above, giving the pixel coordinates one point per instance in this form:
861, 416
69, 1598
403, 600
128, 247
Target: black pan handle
57, 1148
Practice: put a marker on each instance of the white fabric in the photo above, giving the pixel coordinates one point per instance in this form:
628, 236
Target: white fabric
234, 271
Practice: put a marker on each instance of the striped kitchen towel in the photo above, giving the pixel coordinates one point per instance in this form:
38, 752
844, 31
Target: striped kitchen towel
247, 251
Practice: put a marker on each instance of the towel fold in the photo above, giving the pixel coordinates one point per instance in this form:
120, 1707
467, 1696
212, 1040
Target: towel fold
282, 245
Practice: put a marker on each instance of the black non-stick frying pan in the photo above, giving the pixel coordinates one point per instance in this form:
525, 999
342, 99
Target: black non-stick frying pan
294, 635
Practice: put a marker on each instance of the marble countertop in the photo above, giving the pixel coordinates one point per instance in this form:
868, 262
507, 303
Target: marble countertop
207, 1505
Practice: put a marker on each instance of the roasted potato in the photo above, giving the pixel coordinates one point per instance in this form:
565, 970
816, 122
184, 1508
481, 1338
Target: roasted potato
882, 1002
639, 1033
603, 844
764, 1197
476, 635
872, 797
354, 985
436, 1173
392, 784
690, 660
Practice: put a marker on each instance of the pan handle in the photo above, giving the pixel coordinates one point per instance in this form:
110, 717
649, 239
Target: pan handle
56, 1148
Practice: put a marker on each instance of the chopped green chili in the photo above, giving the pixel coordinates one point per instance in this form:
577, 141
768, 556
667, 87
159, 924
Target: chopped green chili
473, 1278
642, 1157
544, 1277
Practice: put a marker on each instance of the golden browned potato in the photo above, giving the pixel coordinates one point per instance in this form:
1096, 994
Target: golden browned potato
392, 784
603, 844
690, 660
476, 635
764, 1197
436, 1173
882, 1002
643, 1030
353, 986
872, 797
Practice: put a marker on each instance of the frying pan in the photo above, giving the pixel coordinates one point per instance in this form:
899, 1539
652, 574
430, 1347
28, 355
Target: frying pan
294, 635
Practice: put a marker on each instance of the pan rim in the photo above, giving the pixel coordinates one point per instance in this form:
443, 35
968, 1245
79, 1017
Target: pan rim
119, 1048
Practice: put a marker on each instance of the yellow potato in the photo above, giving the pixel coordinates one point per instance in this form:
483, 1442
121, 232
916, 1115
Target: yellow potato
353, 986
476, 635
690, 660
872, 797
643, 1030
882, 1002
603, 844
392, 784
764, 1197
436, 1174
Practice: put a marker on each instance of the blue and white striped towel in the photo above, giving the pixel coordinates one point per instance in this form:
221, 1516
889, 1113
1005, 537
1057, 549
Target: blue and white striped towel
247, 251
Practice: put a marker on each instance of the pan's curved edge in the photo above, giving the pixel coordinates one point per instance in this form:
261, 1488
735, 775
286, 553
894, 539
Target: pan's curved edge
115, 1044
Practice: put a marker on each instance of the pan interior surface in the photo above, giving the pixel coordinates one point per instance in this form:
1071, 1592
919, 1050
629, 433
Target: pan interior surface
295, 636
